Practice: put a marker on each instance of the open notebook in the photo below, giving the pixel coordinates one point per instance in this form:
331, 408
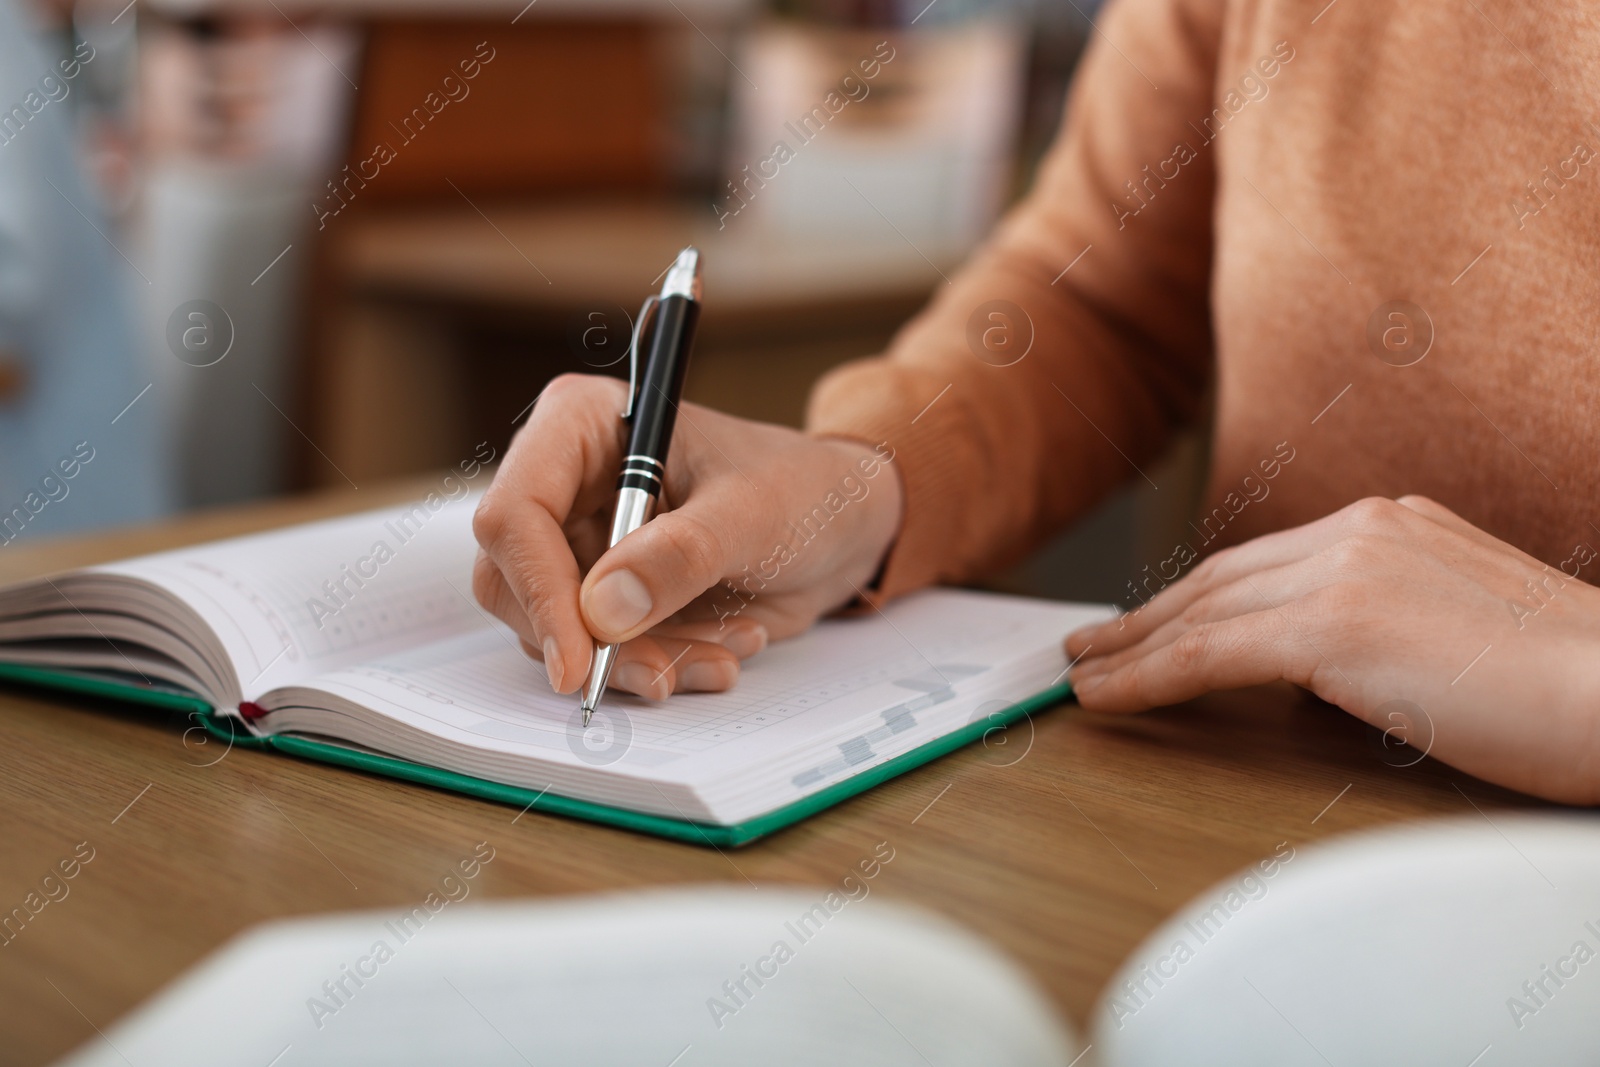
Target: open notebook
357, 641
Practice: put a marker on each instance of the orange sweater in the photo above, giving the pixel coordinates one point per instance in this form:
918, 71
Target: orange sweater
1242, 191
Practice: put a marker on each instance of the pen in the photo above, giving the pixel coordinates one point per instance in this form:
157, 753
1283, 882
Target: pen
652, 410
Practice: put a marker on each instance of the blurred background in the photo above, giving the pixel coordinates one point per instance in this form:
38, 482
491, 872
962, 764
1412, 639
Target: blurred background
347, 242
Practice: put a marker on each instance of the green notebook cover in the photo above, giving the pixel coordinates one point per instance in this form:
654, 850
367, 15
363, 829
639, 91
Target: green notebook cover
108, 686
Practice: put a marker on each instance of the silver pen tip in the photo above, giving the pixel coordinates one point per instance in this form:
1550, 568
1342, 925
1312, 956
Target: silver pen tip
588, 713
683, 277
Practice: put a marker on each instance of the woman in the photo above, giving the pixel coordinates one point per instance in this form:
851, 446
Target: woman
1370, 227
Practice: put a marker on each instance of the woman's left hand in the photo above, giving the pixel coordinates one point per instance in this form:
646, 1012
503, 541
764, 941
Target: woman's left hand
1379, 602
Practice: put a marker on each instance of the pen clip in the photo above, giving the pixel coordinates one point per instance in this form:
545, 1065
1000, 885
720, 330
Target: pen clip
645, 313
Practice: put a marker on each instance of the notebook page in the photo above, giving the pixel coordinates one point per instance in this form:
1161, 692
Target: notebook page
901, 672
290, 603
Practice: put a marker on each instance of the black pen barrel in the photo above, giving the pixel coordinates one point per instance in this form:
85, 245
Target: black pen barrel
656, 410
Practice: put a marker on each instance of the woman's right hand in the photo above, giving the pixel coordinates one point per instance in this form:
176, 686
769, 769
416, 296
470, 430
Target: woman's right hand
763, 530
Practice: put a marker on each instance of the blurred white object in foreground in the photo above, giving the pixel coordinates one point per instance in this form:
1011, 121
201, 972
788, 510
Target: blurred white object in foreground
1451, 943
684, 977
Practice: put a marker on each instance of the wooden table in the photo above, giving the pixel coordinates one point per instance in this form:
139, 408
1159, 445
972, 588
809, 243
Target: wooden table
1064, 848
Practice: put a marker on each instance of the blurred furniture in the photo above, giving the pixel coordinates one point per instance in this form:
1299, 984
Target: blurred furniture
837, 127
562, 104
1064, 841
260, 119
440, 327
536, 158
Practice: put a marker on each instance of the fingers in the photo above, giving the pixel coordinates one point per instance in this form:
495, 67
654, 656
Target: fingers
742, 637
657, 570
673, 658
1373, 516
548, 572
1216, 571
566, 666
527, 575
1276, 607
1243, 651
1267, 591
1267, 576
529, 580
655, 666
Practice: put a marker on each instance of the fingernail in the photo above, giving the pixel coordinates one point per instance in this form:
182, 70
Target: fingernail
642, 679
746, 643
708, 676
618, 602
553, 665
1088, 683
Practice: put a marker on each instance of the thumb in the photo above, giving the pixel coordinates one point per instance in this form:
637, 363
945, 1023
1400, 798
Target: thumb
659, 569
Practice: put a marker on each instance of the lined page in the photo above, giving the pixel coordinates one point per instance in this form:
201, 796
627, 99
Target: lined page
863, 689
291, 603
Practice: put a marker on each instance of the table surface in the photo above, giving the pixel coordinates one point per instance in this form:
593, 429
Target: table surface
1065, 845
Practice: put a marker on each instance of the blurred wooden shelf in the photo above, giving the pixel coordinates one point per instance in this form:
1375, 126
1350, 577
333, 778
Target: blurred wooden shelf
441, 324
567, 257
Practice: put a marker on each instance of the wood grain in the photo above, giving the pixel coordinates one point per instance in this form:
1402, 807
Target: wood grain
1065, 844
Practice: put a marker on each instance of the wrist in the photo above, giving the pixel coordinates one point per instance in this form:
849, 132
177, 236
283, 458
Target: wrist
874, 483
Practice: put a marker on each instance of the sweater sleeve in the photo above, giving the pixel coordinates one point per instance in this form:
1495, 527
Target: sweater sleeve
1108, 262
